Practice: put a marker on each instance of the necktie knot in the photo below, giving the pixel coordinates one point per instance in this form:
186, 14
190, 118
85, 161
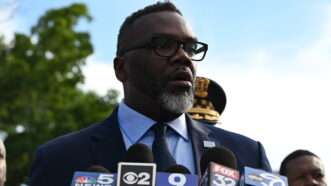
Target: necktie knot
160, 130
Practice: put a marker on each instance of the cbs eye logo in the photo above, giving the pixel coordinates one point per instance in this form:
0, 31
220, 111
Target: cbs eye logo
136, 174
142, 178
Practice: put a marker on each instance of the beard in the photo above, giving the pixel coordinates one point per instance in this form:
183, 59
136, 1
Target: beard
177, 102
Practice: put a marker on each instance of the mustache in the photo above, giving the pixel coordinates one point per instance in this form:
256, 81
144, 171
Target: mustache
182, 73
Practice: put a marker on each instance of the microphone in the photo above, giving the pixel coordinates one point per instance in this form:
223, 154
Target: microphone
257, 177
139, 153
218, 155
139, 170
97, 168
95, 175
176, 175
138, 167
178, 169
218, 167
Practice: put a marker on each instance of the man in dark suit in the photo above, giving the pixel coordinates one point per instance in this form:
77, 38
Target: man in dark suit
156, 59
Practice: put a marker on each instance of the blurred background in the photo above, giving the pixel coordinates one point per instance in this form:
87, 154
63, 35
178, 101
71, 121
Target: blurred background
272, 58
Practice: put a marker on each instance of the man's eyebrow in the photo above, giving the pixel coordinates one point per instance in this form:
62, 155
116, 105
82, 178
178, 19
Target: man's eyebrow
318, 170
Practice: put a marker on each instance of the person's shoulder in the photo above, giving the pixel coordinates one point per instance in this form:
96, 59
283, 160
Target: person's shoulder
63, 155
248, 151
80, 137
71, 140
229, 136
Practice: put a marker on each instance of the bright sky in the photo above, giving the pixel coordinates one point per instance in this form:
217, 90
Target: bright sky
273, 59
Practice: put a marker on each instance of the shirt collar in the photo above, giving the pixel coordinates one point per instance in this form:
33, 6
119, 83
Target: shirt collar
179, 125
129, 118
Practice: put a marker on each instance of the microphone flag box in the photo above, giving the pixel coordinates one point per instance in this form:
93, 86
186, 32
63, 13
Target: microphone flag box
136, 174
93, 179
259, 177
174, 179
220, 175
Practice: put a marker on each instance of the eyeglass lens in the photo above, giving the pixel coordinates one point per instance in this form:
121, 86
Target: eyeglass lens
167, 47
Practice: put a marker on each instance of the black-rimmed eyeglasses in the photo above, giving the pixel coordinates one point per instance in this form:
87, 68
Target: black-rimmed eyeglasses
168, 46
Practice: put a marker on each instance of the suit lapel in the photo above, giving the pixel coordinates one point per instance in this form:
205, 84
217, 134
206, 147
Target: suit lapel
107, 143
200, 136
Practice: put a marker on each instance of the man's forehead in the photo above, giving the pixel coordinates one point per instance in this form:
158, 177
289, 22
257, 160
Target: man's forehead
164, 22
305, 163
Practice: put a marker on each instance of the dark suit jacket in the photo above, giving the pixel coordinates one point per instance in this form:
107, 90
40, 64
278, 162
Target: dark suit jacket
102, 144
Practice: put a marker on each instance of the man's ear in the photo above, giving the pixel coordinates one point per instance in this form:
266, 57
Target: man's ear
119, 68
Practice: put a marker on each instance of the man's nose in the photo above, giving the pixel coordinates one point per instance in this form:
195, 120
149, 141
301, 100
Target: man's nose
181, 55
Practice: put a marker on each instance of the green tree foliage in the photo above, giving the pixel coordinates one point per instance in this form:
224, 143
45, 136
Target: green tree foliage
39, 95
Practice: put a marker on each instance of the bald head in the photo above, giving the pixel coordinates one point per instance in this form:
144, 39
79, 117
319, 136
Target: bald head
124, 35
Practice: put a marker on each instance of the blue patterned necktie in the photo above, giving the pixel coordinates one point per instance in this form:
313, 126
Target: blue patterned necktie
162, 155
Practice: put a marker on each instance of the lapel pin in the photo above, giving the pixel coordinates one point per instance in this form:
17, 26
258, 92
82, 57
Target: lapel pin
209, 144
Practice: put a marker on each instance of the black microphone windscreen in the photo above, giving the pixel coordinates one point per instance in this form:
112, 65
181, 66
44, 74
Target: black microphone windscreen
222, 156
178, 169
98, 168
139, 153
